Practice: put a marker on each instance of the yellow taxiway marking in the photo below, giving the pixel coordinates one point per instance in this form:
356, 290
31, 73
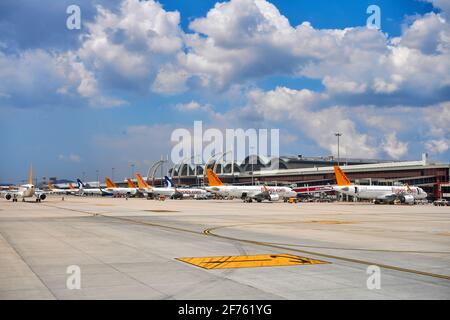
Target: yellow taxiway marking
234, 262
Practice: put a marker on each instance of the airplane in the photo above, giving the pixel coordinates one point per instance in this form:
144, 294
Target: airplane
54, 190
26, 191
248, 193
379, 194
112, 187
170, 191
82, 190
186, 192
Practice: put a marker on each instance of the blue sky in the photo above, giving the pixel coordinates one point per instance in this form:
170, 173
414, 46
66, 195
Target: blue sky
110, 94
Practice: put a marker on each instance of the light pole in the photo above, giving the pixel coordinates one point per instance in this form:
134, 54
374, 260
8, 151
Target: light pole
98, 179
338, 135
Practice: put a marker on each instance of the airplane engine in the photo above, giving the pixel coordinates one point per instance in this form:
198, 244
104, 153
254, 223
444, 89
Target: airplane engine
274, 197
42, 197
177, 196
8, 196
407, 198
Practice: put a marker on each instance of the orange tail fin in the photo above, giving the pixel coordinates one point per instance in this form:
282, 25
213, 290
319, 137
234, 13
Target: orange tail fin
31, 174
131, 184
213, 179
109, 183
141, 183
341, 178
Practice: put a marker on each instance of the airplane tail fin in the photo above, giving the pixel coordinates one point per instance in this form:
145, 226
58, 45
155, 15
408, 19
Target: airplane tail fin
341, 178
50, 185
80, 184
141, 183
213, 179
131, 184
109, 183
169, 183
31, 174
71, 186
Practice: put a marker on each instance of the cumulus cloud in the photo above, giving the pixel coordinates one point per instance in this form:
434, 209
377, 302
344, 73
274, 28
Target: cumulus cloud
70, 158
141, 47
319, 125
192, 106
129, 48
393, 147
376, 88
437, 146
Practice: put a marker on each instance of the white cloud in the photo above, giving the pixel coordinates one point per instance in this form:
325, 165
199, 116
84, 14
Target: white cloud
70, 158
437, 146
394, 148
130, 47
192, 106
301, 108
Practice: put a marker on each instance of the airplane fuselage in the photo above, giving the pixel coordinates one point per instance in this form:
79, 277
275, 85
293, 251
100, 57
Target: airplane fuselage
242, 191
382, 193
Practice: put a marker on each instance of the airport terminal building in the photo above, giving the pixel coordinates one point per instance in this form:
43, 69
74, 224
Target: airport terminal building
301, 171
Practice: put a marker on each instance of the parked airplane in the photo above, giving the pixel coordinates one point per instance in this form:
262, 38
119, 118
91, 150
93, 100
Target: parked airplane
112, 187
26, 191
170, 191
379, 194
82, 190
55, 190
186, 192
248, 193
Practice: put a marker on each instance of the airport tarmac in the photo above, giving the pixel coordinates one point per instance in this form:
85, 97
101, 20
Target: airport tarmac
130, 249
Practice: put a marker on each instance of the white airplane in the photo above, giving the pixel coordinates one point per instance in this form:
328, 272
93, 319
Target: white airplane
114, 189
55, 190
170, 191
82, 190
186, 192
379, 194
26, 191
248, 193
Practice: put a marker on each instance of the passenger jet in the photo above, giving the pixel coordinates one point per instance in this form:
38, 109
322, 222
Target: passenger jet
26, 191
248, 193
379, 194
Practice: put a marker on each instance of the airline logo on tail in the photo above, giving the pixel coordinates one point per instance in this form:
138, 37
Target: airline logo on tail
80, 184
131, 184
169, 183
109, 183
341, 178
141, 183
213, 179
71, 186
